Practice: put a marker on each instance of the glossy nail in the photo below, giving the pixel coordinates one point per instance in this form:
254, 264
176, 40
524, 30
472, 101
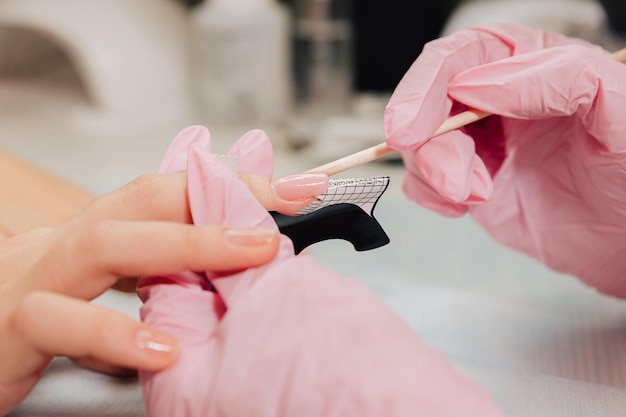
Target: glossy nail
156, 341
253, 236
295, 187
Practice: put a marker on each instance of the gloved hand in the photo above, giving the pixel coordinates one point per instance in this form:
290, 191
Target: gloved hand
290, 338
547, 175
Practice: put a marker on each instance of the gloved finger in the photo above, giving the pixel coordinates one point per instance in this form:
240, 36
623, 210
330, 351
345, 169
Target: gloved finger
420, 102
192, 314
175, 159
419, 190
131, 249
183, 305
218, 197
286, 195
560, 81
254, 153
450, 165
54, 324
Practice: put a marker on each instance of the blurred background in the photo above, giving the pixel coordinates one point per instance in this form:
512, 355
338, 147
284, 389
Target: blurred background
95, 90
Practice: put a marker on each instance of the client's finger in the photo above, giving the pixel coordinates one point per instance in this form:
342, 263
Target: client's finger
288, 194
104, 368
56, 325
106, 251
148, 197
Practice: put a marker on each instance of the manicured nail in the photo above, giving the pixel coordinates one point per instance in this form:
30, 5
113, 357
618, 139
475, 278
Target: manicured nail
253, 236
156, 341
295, 187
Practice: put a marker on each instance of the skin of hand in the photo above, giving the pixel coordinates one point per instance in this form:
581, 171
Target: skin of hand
546, 174
34, 198
288, 338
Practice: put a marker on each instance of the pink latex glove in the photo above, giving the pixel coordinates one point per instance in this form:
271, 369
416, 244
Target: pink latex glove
290, 338
548, 175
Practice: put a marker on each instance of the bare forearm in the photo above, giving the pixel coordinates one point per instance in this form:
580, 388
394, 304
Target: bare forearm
31, 197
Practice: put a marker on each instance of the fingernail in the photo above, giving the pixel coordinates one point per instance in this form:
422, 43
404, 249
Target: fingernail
295, 187
250, 236
156, 341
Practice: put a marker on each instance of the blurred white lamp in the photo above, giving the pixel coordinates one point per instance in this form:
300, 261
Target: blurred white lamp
130, 57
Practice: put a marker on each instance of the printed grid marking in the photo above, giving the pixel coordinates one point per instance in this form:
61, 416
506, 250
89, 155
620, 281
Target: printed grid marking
363, 192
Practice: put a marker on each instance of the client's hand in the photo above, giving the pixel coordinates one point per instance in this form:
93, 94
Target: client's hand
288, 338
47, 276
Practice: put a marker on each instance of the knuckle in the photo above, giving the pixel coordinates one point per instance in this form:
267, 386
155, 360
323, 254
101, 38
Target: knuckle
96, 235
26, 312
145, 186
102, 328
91, 239
196, 242
193, 237
156, 196
78, 250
